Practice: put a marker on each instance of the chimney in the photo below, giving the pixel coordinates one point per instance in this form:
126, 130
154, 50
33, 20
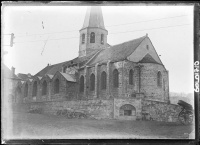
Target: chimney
13, 70
29, 75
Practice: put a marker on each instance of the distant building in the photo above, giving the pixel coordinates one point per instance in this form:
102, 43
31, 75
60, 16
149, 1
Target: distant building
8, 83
118, 78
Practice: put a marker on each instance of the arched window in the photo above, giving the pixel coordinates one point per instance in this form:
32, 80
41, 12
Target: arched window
34, 93
18, 94
18, 91
92, 37
163, 84
159, 79
127, 110
83, 38
147, 47
92, 82
26, 90
81, 84
131, 77
115, 78
44, 88
103, 80
102, 39
56, 86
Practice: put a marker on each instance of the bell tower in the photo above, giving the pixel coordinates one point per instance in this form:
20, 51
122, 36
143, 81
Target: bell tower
93, 35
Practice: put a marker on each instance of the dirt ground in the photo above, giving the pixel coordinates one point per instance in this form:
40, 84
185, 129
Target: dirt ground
37, 126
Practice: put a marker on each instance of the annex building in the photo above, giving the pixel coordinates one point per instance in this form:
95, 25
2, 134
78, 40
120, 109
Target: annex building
124, 81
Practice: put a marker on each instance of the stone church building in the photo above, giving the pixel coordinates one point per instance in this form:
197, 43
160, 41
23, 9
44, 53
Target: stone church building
123, 81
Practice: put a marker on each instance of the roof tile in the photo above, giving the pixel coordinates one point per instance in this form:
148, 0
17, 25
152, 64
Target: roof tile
117, 52
68, 77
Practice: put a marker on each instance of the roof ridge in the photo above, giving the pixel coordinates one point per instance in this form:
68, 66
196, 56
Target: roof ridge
63, 62
128, 41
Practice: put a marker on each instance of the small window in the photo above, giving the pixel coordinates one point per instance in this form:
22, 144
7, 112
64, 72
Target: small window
115, 78
102, 39
44, 88
147, 47
103, 80
163, 84
159, 79
131, 77
92, 37
56, 86
81, 84
26, 90
83, 38
92, 82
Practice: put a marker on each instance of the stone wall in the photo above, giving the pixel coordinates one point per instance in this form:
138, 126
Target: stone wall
146, 84
160, 111
149, 82
94, 108
130, 89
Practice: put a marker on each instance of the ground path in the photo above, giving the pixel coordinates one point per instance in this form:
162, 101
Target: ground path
37, 126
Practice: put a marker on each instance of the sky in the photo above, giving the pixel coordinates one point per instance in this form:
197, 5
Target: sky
50, 34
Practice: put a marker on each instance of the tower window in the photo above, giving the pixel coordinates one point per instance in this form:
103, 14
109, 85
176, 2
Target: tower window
56, 86
102, 39
92, 82
81, 84
83, 38
103, 80
159, 79
92, 37
115, 78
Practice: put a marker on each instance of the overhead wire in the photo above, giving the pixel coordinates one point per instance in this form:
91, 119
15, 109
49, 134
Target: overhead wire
25, 35
109, 33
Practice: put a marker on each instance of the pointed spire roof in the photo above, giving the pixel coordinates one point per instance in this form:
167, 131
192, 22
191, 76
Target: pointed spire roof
93, 18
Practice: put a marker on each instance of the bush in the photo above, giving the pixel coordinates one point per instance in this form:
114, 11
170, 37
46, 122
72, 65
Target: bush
35, 110
71, 114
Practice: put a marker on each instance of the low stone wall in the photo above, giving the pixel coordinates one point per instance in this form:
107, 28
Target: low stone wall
107, 109
99, 109
160, 111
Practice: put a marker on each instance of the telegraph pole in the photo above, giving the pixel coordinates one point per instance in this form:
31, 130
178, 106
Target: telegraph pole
11, 39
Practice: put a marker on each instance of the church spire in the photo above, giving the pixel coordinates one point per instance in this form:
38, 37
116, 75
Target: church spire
94, 18
93, 35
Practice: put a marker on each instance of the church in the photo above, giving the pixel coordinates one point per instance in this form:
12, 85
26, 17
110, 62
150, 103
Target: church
104, 81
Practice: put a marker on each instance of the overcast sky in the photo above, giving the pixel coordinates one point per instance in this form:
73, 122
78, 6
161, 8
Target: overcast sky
170, 29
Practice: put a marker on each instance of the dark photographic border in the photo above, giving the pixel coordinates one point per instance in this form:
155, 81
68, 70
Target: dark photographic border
126, 141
